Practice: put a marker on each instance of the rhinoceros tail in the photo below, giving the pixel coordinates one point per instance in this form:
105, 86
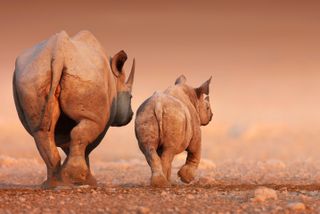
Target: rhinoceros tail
57, 67
159, 113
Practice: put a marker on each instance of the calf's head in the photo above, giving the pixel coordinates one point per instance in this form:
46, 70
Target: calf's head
124, 113
205, 112
200, 97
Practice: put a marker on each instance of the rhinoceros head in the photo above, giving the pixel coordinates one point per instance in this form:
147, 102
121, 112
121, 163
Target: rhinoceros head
200, 98
123, 114
205, 112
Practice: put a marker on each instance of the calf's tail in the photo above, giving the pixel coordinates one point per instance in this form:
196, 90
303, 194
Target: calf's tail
159, 114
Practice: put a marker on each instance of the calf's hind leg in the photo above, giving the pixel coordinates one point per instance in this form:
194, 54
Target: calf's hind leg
188, 170
75, 169
158, 179
166, 161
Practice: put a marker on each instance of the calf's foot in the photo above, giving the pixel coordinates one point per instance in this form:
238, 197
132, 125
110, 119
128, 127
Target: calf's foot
187, 173
159, 180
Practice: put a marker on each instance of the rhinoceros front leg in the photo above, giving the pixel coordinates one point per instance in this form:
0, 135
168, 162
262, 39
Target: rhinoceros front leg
75, 169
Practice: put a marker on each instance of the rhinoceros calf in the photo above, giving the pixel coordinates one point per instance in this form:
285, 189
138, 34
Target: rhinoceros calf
67, 93
168, 123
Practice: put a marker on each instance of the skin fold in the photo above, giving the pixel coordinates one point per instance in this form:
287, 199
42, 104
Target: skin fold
67, 94
167, 124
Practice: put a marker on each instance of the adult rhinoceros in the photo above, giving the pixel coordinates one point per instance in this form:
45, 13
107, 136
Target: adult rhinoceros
67, 93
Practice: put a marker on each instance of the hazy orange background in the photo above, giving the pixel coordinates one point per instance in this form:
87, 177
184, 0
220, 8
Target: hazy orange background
264, 57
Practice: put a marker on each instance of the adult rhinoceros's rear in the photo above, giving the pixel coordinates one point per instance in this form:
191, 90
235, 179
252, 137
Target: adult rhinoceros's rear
67, 94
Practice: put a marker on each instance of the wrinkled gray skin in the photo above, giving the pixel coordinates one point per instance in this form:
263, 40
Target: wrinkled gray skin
67, 93
167, 124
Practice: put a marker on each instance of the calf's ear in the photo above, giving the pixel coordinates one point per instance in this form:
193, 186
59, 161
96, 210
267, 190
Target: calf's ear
204, 88
117, 62
180, 80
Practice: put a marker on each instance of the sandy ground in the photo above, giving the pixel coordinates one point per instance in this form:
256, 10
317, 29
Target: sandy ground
222, 187
237, 161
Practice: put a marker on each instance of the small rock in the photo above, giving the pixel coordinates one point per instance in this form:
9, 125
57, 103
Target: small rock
262, 194
22, 199
313, 193
84, 186
189, 196
100, 210
305, 197
163, 193
296, 206
143, 210
51, 197
63, 188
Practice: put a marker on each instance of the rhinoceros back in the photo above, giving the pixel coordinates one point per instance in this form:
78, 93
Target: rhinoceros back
36, 78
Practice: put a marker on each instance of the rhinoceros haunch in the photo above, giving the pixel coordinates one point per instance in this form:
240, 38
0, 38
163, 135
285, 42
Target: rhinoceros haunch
67, 93
168, 123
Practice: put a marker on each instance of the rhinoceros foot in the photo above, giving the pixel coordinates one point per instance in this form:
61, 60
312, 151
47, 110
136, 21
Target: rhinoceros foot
51, 183
76, 172
159, 180
187, 173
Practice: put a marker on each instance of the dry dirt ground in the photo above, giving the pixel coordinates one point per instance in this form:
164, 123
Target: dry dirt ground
225, 187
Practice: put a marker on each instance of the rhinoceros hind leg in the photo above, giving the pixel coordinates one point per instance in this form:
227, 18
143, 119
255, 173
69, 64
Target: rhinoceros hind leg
51, 183
75, 170
187, 173
166, 161
47, 148
188, 170
158, 179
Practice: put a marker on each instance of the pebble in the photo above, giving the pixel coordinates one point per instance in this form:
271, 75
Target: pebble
63, 188
189, 196
84, 186
22, 199
100, 210
305, 197
296, 206
262, 194
143, 210
163, 193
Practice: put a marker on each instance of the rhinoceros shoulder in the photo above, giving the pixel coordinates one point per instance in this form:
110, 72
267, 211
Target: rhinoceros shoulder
87, 38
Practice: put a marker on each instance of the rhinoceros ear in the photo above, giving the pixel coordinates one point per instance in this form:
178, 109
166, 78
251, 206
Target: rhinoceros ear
180, 80
117, 62
204, 88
